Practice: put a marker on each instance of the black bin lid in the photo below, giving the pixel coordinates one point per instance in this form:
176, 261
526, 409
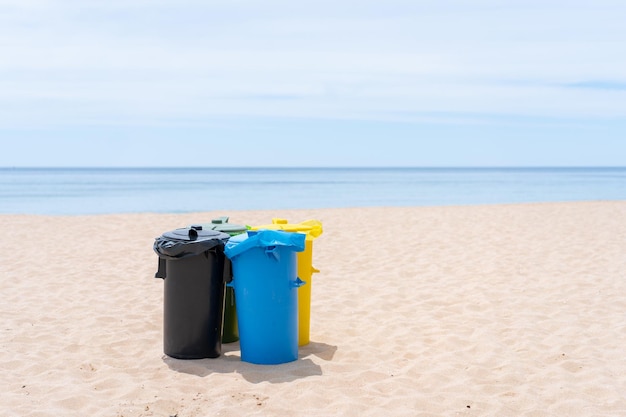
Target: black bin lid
188, 241
194, 233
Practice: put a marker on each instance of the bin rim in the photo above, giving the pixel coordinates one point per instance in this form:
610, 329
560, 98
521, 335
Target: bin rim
312, 228
186, 242
229, 228
221, 225
264, 238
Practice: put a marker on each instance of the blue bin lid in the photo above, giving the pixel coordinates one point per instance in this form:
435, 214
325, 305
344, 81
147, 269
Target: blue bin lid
239, 244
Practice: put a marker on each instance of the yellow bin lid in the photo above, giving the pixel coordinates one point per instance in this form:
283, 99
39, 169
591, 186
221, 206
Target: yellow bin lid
312, 228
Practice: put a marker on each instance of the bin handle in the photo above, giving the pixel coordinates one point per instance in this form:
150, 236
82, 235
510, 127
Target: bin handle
297, 283
161, 270
271, 252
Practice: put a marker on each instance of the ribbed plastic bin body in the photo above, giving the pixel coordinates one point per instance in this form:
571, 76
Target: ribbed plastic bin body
311, 229
230, 331
305, 272
193, 294
192, 307
266, 283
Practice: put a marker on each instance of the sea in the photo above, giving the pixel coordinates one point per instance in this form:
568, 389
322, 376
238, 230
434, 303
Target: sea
81, 191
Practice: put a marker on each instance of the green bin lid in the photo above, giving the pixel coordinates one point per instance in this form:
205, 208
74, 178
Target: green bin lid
221, 225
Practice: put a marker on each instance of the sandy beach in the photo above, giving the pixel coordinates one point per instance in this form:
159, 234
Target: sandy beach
496, 310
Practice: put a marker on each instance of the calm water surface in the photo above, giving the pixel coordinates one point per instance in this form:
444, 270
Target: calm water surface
126, 190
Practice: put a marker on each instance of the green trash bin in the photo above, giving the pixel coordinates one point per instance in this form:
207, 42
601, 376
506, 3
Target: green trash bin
230, 331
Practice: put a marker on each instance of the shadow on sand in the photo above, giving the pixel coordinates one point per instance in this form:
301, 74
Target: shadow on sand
230, 362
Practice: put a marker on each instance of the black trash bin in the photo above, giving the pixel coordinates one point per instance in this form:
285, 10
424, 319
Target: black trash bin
191, 262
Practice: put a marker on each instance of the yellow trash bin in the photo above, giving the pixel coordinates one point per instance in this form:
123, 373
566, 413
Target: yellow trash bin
312, 229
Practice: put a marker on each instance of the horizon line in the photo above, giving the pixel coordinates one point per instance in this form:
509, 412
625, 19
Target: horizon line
79, 167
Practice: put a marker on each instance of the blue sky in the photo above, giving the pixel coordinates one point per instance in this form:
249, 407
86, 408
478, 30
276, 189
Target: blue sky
312, 83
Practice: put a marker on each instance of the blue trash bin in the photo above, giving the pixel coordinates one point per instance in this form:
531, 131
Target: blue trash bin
264, 269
